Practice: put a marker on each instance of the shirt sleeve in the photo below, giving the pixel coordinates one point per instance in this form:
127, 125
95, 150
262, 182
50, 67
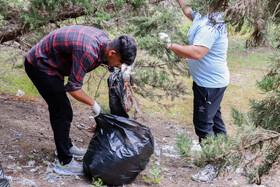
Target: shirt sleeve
205, 36
194, 14
81, 63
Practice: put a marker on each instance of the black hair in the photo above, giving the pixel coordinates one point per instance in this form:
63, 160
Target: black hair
124, 45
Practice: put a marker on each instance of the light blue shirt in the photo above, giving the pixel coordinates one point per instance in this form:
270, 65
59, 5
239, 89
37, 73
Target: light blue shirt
211, 71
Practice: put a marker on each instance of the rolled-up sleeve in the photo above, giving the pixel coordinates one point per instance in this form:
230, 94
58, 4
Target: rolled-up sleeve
81, 63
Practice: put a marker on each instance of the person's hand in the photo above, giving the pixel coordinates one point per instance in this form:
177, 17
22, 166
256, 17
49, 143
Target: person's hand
165, 38
96, 109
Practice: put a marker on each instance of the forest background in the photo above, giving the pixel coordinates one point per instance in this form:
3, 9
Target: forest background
162, 81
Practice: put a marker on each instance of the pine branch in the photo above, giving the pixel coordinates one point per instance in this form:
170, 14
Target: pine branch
276, 11
151, 66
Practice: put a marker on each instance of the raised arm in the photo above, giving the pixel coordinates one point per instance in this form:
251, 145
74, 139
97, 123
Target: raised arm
187, 10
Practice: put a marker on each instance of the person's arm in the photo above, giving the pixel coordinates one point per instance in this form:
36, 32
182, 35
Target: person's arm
81, 96
189, 51
187, 10
75, 80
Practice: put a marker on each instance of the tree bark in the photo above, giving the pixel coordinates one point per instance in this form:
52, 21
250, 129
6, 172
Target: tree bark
14, 31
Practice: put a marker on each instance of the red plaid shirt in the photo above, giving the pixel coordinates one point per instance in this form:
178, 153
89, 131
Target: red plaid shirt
70, 51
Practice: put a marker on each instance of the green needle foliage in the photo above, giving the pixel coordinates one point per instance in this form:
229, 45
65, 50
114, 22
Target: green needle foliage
155, 171
266, 113
252, 149
258, 14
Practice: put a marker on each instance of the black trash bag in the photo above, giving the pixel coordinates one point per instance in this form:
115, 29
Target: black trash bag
116, 93
3, 181
119, 150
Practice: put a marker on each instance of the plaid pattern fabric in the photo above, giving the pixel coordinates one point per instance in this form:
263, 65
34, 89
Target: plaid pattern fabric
69, 51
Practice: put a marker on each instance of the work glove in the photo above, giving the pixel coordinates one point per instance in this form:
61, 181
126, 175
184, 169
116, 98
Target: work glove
126, 71
165, 38
96, 109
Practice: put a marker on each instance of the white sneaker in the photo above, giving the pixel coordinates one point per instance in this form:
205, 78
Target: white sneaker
76, 152
196, 146
207, 174
73, 168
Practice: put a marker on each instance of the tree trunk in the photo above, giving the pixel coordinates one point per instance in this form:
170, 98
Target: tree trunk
12, 32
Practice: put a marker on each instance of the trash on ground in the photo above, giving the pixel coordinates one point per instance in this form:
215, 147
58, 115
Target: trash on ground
20, 93
82, 126
207, 174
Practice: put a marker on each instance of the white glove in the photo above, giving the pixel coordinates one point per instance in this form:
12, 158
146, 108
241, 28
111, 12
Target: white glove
96, 109
126, 71
165, 38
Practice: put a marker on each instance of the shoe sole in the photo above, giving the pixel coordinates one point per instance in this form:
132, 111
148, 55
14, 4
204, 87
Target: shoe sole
61, 171
78, 156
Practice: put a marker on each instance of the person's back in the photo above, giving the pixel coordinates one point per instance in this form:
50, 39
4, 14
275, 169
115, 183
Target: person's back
58, 49
211, 70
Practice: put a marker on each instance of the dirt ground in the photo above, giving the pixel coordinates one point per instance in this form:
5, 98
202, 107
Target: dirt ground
27, 149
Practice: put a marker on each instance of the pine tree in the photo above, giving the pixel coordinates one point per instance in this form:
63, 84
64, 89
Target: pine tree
266, 113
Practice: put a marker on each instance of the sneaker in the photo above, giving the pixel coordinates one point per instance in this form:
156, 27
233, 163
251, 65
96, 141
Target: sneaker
207, 174
73, 168
196, 146
76, 152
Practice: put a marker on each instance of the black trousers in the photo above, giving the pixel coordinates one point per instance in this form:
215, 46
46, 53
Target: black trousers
207, 117
53, 91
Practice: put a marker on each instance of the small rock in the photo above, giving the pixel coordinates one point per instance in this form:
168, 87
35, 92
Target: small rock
80, 140
11, 166
77, 177
47, 163
239, 171
51, 181
31, 163
49, 170
27, 182
33, 170
11, 157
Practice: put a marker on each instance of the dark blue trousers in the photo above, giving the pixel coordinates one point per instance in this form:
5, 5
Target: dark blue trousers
52, 90
207, 117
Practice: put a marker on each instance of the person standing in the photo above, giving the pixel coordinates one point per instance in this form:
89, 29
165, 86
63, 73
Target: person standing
72, 51
207, 54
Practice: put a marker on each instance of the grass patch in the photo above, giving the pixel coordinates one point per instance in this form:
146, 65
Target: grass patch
12, 74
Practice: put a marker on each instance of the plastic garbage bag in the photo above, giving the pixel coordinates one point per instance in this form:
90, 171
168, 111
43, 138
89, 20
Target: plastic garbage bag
3, 181
119, 150
117, 94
